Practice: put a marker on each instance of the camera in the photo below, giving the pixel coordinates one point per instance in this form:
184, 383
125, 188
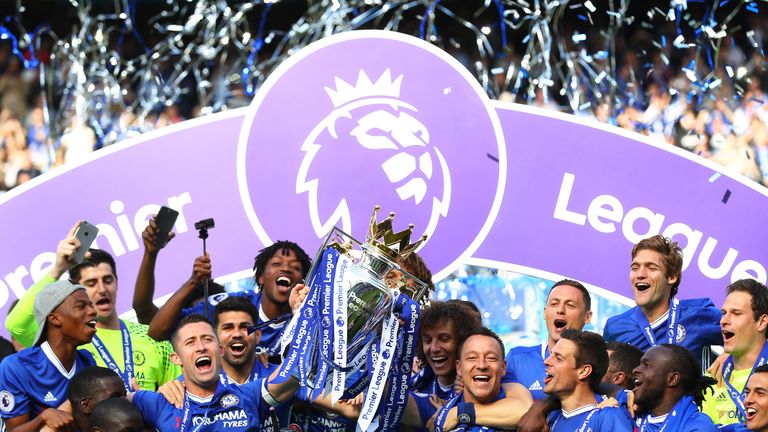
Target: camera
204, 224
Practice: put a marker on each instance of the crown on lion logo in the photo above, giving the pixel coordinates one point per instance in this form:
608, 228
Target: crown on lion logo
364, 88
396, 246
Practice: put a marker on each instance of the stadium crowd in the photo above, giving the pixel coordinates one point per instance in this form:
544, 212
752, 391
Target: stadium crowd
213, 364
658, 93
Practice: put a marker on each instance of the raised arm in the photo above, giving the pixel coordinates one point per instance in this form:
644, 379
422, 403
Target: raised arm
162, 324
21, 322
145, 280
344, 408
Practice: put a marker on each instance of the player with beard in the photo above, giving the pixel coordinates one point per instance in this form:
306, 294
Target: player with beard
480, 360
442, 328
744, 325
573, 372
669, 390
233, 318
120, 345
234, 321
33, 382
278, 268
481, 364
659, 317
208, 404
568, 307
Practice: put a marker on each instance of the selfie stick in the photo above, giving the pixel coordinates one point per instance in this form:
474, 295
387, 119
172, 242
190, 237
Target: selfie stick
202, 228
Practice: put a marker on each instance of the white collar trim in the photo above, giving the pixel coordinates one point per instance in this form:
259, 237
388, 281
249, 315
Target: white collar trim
580, 410
658, 419
264, 318
661, 320
56, 362
199, 399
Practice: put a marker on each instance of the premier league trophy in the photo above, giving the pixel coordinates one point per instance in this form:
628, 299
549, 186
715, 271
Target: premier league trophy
357, 329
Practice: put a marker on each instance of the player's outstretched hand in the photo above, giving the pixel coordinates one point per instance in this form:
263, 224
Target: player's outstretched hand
149, 237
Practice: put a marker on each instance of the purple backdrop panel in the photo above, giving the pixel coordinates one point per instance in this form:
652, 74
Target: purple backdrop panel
580, 194
382, 120
367, 118
189, 167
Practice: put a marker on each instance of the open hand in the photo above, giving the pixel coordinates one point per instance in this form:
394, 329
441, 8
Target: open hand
173, 392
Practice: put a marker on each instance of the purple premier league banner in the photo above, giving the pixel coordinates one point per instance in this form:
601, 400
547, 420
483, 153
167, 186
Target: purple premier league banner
372, 117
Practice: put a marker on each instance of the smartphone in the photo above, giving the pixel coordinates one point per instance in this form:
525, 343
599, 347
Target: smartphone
86, 233
165, 220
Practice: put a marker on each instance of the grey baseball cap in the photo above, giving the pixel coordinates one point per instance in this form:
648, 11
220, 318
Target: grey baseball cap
48, 299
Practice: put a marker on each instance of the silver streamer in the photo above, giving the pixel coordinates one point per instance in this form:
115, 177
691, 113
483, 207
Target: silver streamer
224, 52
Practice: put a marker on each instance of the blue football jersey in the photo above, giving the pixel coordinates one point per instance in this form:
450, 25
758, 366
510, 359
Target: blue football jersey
696, 422
34, 380
459, 398
426, 410
259, 371
270, 335
525, 365
683, 417
421, 395
698, 327
237, 408
609, 419
429, 385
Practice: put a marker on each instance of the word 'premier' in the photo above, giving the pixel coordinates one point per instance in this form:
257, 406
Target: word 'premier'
118, 236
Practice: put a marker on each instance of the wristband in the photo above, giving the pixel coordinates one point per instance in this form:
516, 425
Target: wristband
466, 414
267, 396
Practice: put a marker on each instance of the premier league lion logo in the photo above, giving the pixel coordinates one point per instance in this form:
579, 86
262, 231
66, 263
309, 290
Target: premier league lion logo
370, 118
7, 401
370, 123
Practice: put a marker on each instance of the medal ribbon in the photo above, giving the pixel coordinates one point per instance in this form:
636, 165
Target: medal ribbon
738, 396
675, 418
300, 331
672, 320
127, 373
440, 419
326, 327
368, 419
339, 307
397, 398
